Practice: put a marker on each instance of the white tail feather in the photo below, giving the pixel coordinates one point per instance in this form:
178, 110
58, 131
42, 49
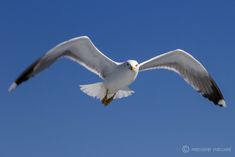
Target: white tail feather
97, 90
122, 93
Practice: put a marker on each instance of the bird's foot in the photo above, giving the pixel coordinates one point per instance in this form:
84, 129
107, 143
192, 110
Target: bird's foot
107, 100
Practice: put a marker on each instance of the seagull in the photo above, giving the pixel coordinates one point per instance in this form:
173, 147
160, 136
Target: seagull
117, 76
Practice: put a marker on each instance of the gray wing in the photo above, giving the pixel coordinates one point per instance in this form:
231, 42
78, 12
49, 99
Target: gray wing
79, 49
190, 69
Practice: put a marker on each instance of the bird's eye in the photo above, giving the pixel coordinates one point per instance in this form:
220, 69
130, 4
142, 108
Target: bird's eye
136, 65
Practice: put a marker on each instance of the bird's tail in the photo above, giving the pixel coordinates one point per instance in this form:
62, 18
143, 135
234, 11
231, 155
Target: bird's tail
124, 92
96, 90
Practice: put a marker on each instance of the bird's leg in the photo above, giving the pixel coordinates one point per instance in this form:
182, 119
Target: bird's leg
107, 100
105, 97
110, 99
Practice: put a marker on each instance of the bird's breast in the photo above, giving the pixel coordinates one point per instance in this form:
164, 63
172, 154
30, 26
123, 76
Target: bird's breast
120, 79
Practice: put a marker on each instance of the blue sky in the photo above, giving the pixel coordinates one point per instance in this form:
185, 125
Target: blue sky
50, 116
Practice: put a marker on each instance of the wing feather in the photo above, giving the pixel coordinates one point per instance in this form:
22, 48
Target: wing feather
190, 69
79, 49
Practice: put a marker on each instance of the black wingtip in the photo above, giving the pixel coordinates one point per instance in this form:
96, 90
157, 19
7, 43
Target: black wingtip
24, 76
215, 95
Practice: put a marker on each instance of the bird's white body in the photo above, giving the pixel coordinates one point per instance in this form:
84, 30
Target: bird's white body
118, 76
116, 83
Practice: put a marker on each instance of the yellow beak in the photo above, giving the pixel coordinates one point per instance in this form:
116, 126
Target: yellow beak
133, 68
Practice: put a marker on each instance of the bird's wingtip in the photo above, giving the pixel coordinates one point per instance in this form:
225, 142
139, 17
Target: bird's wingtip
222, 103
12, 87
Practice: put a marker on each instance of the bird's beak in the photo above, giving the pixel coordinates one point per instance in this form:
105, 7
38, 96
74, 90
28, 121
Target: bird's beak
133, 68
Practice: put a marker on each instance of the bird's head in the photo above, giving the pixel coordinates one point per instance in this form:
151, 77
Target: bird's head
132, 65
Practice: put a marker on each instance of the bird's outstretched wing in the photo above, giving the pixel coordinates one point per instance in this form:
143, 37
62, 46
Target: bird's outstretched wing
79, 49
190, 69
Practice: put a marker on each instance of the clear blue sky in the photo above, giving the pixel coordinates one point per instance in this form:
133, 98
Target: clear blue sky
50, 117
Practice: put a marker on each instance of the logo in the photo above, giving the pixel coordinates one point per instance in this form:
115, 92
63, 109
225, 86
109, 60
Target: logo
185, 149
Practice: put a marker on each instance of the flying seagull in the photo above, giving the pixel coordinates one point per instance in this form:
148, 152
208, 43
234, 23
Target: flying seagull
117, 76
